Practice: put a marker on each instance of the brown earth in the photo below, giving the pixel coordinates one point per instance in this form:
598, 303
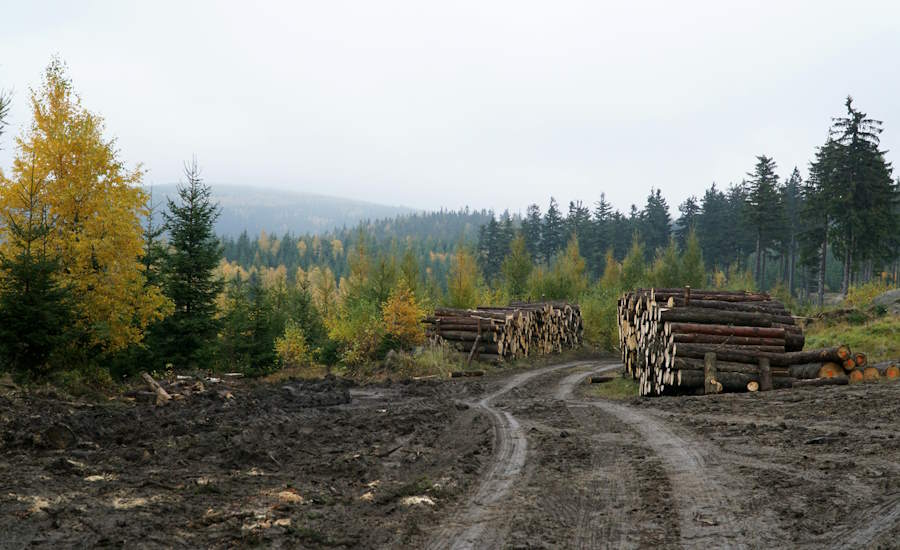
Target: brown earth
517, 459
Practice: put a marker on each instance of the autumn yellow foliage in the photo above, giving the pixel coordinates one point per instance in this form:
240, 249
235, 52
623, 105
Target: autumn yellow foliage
292, 347
403, 316
95, 205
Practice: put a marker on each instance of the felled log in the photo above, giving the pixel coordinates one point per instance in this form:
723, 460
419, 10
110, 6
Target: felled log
466, 373
860, 359
692, 338
726, 330
713, 316
162, 396
871, 373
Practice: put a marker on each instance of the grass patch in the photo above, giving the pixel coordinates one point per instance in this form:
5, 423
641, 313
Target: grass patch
878, 338
617, 388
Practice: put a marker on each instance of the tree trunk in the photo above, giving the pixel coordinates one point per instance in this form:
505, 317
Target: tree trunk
758, 257
791, 265
822, 258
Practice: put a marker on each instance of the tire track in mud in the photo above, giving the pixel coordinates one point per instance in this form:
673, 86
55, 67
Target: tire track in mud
603, 520
482, 522
883, 519
709, 507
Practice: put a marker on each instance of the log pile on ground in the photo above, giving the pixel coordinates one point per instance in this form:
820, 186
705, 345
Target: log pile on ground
666, 336
522, 329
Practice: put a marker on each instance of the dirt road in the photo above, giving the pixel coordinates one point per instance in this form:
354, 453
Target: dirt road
517, 459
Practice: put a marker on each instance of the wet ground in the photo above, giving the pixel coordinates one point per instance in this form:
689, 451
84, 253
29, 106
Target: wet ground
516, 459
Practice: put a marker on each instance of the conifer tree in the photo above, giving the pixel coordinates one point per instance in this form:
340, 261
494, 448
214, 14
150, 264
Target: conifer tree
690, 211
791, 201
531, 231
552, 230
517, 268
763, 210
655, 221
34, 307
191, 280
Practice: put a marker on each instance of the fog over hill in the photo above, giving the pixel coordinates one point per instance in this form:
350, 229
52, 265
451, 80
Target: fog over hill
278, 211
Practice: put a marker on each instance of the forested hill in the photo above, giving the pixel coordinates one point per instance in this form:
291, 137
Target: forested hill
256, 209
429, 237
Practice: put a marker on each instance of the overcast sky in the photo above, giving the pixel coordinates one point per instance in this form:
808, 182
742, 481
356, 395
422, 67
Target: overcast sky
488, 104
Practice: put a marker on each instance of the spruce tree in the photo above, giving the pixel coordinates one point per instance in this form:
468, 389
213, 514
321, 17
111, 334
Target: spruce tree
763, 210
792, 204
655, 222
552, 231
531, 231
191, 281
690, 211
34, 308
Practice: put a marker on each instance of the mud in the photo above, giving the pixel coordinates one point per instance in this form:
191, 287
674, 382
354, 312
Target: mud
517, 459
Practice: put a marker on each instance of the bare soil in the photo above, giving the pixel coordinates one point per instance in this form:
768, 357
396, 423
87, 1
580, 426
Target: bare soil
517, 459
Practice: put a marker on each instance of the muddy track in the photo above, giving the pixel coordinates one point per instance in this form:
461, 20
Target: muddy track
602, 514
482, 520
708, 500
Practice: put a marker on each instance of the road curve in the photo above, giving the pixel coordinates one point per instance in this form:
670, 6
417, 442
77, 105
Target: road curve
481, 522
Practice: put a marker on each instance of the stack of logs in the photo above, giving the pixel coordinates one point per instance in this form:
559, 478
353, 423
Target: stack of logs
494, 334
666, 336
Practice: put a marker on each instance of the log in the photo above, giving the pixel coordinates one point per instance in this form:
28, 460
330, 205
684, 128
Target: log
749, 352
726, 330
830, 370
752, 386
888, 369
162, 396
466, 373
731, 381
765, 375
711, 384
694, 338
686, 363
836, 381
716, 317
855, 376
806, 371
860, 359
871, 373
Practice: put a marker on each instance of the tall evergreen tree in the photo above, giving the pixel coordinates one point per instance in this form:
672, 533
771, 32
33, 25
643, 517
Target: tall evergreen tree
791, 201
690, 211
34, 308
763, 210
552, 231
865, 191
191, 282
711, 223
531, 231
655, 222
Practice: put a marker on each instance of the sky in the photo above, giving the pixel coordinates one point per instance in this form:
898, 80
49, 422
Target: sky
444, 104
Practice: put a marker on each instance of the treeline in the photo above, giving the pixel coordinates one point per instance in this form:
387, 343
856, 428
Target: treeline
839, 227
95, 278
431, 237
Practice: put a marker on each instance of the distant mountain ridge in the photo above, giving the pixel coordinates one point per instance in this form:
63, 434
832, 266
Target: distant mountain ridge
278, 211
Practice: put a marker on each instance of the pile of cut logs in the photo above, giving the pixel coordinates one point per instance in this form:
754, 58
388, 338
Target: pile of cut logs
684, 341
494, 334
